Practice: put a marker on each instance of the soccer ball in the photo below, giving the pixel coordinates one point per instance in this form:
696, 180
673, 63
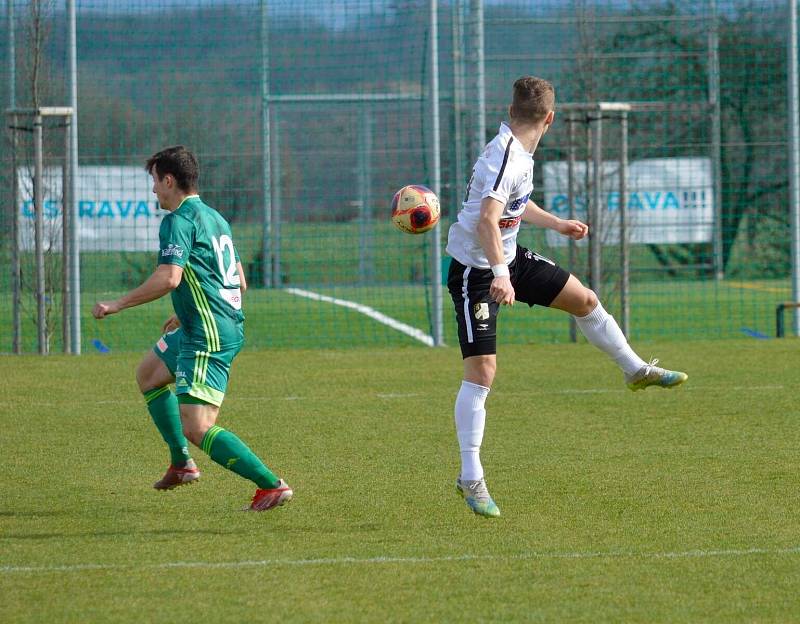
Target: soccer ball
415, 209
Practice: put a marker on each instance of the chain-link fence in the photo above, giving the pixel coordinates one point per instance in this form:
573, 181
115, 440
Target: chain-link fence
307, 116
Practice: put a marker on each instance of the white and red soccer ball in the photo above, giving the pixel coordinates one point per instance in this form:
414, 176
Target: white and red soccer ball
415, 209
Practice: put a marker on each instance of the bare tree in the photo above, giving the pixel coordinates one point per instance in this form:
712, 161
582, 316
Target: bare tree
37, 29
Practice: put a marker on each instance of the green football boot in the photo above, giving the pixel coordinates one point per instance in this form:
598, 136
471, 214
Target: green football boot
477, 497
652, 375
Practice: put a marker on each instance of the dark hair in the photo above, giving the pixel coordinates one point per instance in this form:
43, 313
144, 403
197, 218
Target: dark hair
178, 161
533, 99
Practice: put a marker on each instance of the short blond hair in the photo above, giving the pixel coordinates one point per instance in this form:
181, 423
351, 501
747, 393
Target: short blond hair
533, 99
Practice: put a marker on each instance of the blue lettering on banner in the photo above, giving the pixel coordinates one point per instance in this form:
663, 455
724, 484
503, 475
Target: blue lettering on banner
672, 202
123, 212
89, 209
51, 209
105, 209
648, 200
142, 209
560, 204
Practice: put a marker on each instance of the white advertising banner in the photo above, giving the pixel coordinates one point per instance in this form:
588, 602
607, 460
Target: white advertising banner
117, 210
669, 200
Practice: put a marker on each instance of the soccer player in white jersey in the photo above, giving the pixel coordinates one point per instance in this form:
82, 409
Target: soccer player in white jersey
489, 269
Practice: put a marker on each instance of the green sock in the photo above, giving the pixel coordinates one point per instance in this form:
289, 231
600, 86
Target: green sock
163, 407
231, 453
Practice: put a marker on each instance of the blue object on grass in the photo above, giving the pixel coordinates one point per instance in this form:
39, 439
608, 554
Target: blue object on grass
754, 334
98, 344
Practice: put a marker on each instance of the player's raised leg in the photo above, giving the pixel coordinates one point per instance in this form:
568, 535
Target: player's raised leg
470, 419
153, 378
602, 331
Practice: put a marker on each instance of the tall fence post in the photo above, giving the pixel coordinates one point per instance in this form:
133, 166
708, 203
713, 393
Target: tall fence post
624, 245
596, 204
794, 159
16, 264
277, 190
459, 181
366, 226
476, 12
74, 238
266, 172
436, 175
16, 281
38, 203
573, 248
67, 220
716, 140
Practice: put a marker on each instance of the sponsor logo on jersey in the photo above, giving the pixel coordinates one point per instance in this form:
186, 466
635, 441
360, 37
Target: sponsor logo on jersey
481, 311
509, 223
172, 250
162, 345
233, 296
482, 327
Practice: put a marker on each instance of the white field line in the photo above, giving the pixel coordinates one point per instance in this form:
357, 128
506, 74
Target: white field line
408, 395
688, 554
415, 333
532, 392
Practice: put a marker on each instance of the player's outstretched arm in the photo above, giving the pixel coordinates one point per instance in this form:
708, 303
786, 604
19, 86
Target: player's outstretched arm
573, 228
164, 279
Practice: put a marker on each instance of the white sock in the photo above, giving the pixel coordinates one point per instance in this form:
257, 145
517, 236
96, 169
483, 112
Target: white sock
602, 331
470, 421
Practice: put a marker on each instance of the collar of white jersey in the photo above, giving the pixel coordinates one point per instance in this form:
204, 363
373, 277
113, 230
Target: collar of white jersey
505, 132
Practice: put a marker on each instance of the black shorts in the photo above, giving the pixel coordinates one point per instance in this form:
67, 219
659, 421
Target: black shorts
536, 281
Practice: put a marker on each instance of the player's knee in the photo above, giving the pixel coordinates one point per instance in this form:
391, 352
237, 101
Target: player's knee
486, 379
194, 433
481, 371
488, 371
143, 377
588, 302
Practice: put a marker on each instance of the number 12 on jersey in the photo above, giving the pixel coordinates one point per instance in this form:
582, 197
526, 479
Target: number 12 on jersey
228, 271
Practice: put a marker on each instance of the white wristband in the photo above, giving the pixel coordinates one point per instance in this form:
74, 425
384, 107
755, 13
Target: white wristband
501, 270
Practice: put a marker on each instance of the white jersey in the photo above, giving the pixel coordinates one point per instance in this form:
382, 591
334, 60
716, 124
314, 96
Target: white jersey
505, 172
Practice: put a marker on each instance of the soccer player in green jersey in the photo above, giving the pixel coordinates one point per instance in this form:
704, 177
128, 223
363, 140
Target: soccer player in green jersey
199, 265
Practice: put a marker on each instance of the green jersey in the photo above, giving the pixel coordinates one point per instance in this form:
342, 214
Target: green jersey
208, 300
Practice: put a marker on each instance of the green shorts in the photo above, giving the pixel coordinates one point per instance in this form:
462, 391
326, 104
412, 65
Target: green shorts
198, 373
168, 347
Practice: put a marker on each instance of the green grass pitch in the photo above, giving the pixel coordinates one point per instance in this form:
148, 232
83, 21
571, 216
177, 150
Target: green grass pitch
656, 506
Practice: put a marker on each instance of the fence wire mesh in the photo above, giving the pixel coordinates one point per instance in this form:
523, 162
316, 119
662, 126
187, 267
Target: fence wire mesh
307, 116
